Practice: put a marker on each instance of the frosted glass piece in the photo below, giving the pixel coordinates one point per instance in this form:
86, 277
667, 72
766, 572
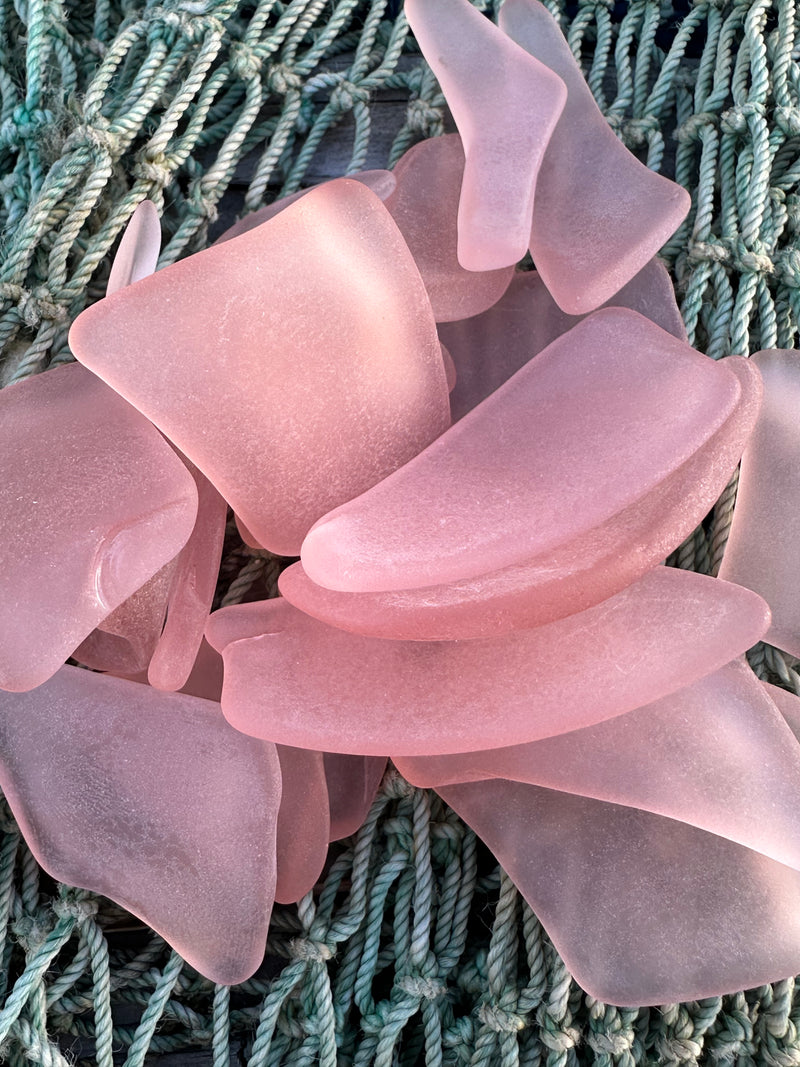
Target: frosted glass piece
573, 577
579, 435
487, 349
381, 182
191, 592
138, 250
353, 783
599, 214
763, 549
295, 366
303, 823
93, 502
787, 704
505, 117
150, 799
716, 754
306, 684
643, 909
425, 207
124, 642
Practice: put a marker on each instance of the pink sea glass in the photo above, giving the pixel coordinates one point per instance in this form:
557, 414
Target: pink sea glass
353, 783
425, 207
576, 439
787, 704
643, 909
535, 592
138, 250
505, 117
763, 549
381, 182
93, 502
306, 684
191, 591
487, 349
295, 366
688, 756
599, 214
124, 642
153, 800
303, 823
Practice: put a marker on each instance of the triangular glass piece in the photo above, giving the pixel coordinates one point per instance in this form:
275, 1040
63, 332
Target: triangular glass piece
151, 799
138, 250
643, 909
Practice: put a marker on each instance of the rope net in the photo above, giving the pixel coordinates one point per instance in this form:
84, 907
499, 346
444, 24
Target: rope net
416, 947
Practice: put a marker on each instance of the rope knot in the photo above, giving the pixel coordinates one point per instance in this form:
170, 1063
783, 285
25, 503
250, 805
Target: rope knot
708, 252
423, 117
753, 260
560, 1040
80, 910
33, 306
25, 125
417, 985
282, 79
153, 169
788, 268
788, 119
611, 1044
734, 120
245, 62
691, 129
638, 131
347, 94
678, 1049
303, 948
496, 1018
96, 138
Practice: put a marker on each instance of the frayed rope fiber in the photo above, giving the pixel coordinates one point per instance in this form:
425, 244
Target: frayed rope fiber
415, 948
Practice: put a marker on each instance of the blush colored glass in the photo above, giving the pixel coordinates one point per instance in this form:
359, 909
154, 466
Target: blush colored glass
425, 207
578, 438
505, 117
643, 909
381, 182
353, 783
487, 349
688, 756
296, 365
763, 549
303, 823
571, 578
298, 682
599, 214
93, 502
150, 799
138, 250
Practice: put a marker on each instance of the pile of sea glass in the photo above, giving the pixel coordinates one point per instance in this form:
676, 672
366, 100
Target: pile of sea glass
482, 471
